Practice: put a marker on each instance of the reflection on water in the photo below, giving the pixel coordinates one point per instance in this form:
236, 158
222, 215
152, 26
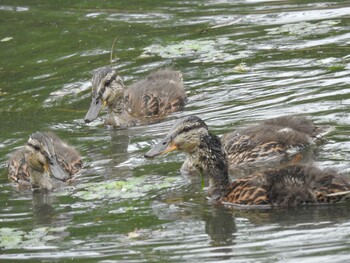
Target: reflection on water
242, 62
220, 226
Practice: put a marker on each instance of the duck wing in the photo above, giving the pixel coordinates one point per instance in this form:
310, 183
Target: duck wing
67, 156
290, 185
159, 94
17, 168
273, 141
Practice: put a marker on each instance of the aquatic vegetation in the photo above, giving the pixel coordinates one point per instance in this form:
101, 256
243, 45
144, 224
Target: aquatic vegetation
205, 50
13, 238
241, 68
333, 63
336, 67
134, 187
303, 28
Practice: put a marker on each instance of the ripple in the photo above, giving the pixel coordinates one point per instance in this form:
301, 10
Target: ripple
125, 208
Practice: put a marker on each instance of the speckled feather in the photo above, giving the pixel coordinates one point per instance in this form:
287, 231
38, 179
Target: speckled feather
271, 139
159, 94
146, 101
211, 158
18, 172
288, 186
67, 156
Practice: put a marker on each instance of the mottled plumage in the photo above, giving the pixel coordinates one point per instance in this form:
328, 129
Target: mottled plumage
147, 100
269, 143
288, 185
45, 162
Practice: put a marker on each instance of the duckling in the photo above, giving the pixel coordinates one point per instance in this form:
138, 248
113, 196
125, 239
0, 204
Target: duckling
289, 185
146, 101
45, 162
271, 142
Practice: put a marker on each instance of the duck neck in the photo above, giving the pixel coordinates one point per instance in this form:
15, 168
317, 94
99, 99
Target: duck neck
114, 94
118, 115
211, 161
117, 106
40, 179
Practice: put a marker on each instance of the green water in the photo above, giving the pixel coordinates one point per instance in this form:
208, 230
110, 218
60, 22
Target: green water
242, 61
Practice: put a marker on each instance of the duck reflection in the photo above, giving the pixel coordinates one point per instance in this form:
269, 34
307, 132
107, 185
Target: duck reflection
220, 226
45, 215
186, 203
308, 214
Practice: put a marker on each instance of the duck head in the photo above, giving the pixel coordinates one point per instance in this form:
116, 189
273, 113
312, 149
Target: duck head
41, 157
107, 90
185, 135
207, 155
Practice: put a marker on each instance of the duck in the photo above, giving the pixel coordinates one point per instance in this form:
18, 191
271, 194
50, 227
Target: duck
148, 100
44, 163
284, 186
285, 139
270, 143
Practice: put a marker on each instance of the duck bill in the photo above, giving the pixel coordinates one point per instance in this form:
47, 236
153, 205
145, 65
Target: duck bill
161, 148
55, 170
95, 108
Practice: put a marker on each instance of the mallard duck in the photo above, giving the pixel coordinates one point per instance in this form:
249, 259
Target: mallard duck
289, 185
45, 162
270, 143
147, 100
267, 144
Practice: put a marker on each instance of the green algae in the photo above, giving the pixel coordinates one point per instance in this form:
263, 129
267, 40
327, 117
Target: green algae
131, 188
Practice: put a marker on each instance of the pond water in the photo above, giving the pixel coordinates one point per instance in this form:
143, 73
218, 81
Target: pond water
242, 61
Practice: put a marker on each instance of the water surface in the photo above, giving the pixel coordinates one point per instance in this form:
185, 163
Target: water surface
242, 61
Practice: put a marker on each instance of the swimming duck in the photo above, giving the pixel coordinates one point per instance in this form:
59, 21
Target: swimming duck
288, 185
267, 144
271, 142
45, 162
147, 100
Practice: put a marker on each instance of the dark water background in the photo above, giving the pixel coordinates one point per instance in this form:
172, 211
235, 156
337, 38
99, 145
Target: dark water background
242, 61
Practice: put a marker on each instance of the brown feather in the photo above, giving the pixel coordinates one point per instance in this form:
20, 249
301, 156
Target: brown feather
287, 185
270, 143
158, 94
67, 157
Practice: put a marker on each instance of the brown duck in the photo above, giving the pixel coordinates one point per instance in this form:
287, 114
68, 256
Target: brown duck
146, 101
270, 143
289, 185
45, 162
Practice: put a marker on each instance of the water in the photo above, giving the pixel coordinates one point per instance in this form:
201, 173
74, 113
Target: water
242, 61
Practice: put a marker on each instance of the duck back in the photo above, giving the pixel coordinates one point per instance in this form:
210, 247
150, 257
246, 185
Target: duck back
159, 94
288, 186
270, 143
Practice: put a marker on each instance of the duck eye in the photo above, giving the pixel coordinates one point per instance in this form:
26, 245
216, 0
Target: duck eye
110, 80
186, 129
36, 147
